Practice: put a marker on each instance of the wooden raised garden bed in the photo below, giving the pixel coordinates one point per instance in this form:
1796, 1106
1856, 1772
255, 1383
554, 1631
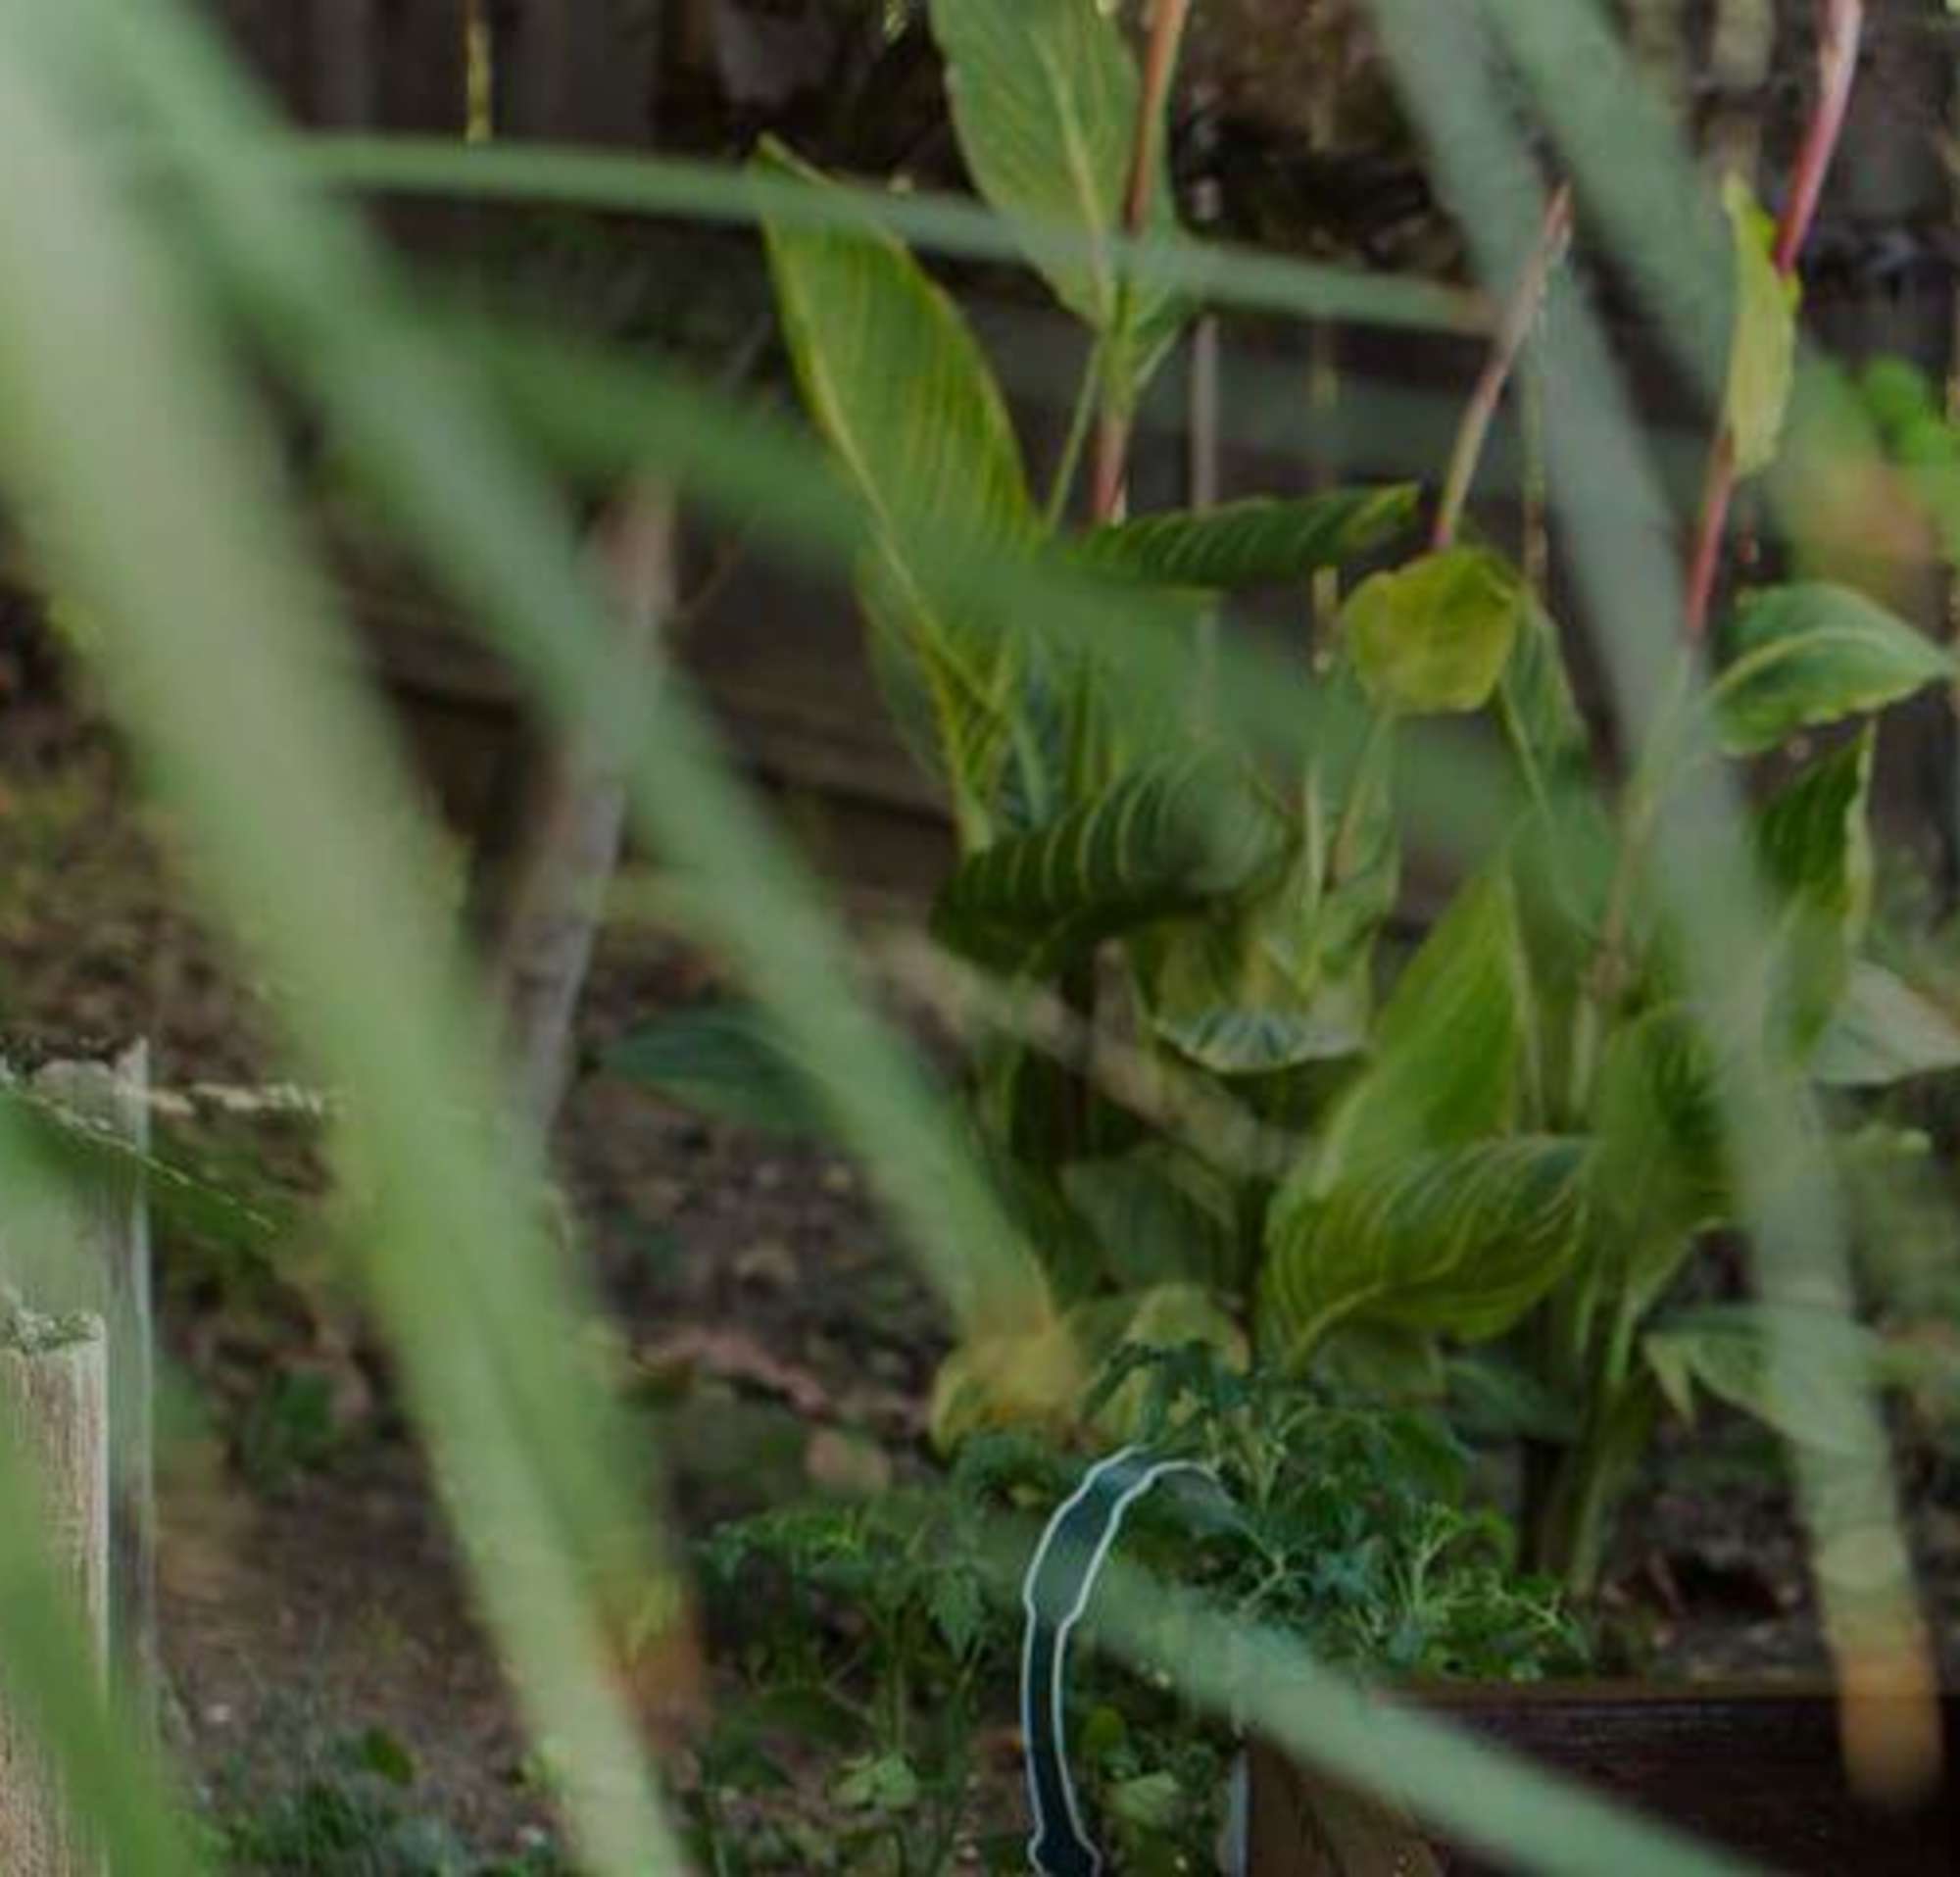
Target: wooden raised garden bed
1755, 1769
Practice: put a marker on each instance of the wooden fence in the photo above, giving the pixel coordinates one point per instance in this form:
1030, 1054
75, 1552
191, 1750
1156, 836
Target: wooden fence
779, 652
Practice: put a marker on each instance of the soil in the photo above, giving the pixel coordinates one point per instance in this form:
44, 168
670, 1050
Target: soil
310, 1595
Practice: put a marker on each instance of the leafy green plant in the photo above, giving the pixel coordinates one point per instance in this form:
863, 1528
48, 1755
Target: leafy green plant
354, 1814
885, 1632
1520, 1142
123, 424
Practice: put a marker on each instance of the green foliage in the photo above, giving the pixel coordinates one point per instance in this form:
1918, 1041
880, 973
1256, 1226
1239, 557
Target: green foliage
1800, 657
1168, 838
1450, 1057
1435, 635
1046, 99
1726, 1350
724, 1059
1259, 541
1816, 851
897, 385
357, 1813
1521, 1141
1463, 1241
884, 1635
1762, 355
1884, 1031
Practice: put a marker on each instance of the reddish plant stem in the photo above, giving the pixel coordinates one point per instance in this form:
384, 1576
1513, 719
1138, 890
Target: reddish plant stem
1168, 20
1513, 329
1841, 28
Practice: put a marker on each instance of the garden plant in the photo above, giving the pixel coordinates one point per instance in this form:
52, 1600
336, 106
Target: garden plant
1179, 852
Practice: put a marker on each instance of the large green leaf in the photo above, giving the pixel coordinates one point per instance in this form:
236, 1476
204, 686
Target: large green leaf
1463, 1241
1813, 653
1661, 1163
1161, 1217
1762, 353
1045, 98
1450, 1049
897, 385
1433, 636
1361, 865
722, 1060
1884, 1031
1540, 711
1725, 1348
1258, 542
1563, 852
1246, 994
1173, 837
1816, 849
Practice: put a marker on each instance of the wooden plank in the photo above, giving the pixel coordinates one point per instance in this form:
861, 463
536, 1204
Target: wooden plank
54, 1400
111, 1222
1758, 1768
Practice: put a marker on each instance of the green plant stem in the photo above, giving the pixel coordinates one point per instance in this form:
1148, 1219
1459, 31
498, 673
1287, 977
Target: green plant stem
1570, 1538
1080, 417
1513, 329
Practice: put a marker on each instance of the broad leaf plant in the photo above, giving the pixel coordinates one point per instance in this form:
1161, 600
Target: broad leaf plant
1503, 1154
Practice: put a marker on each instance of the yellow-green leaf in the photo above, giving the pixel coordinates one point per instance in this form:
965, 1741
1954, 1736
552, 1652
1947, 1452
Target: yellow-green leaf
1463, 1241
1044, 97
1433, 636
1815, 844
1762, 352
897, 385
1725, 1348
1450, 1048
1261, 541
1173, 837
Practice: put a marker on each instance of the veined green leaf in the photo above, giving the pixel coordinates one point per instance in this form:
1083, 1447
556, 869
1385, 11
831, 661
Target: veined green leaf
1816, 849
1450, 1049
1161, 1215
1661, 1162
1540, 711
1379, 1363
725, 1061
1813, 653
1044, 97
1884, 1031
1286, 981
1245, 995
1464, 1240
897, 385
1433, 636
1494, 1394
1363, 868
1258, 542
1762, 351
1167, 1316
1173, 837
1725, 1348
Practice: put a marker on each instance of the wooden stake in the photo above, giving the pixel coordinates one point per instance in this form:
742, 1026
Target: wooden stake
112, 1279
55, 1403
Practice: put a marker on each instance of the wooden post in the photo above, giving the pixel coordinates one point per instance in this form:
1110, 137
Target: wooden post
54, 1382
111, 1278
542, 887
